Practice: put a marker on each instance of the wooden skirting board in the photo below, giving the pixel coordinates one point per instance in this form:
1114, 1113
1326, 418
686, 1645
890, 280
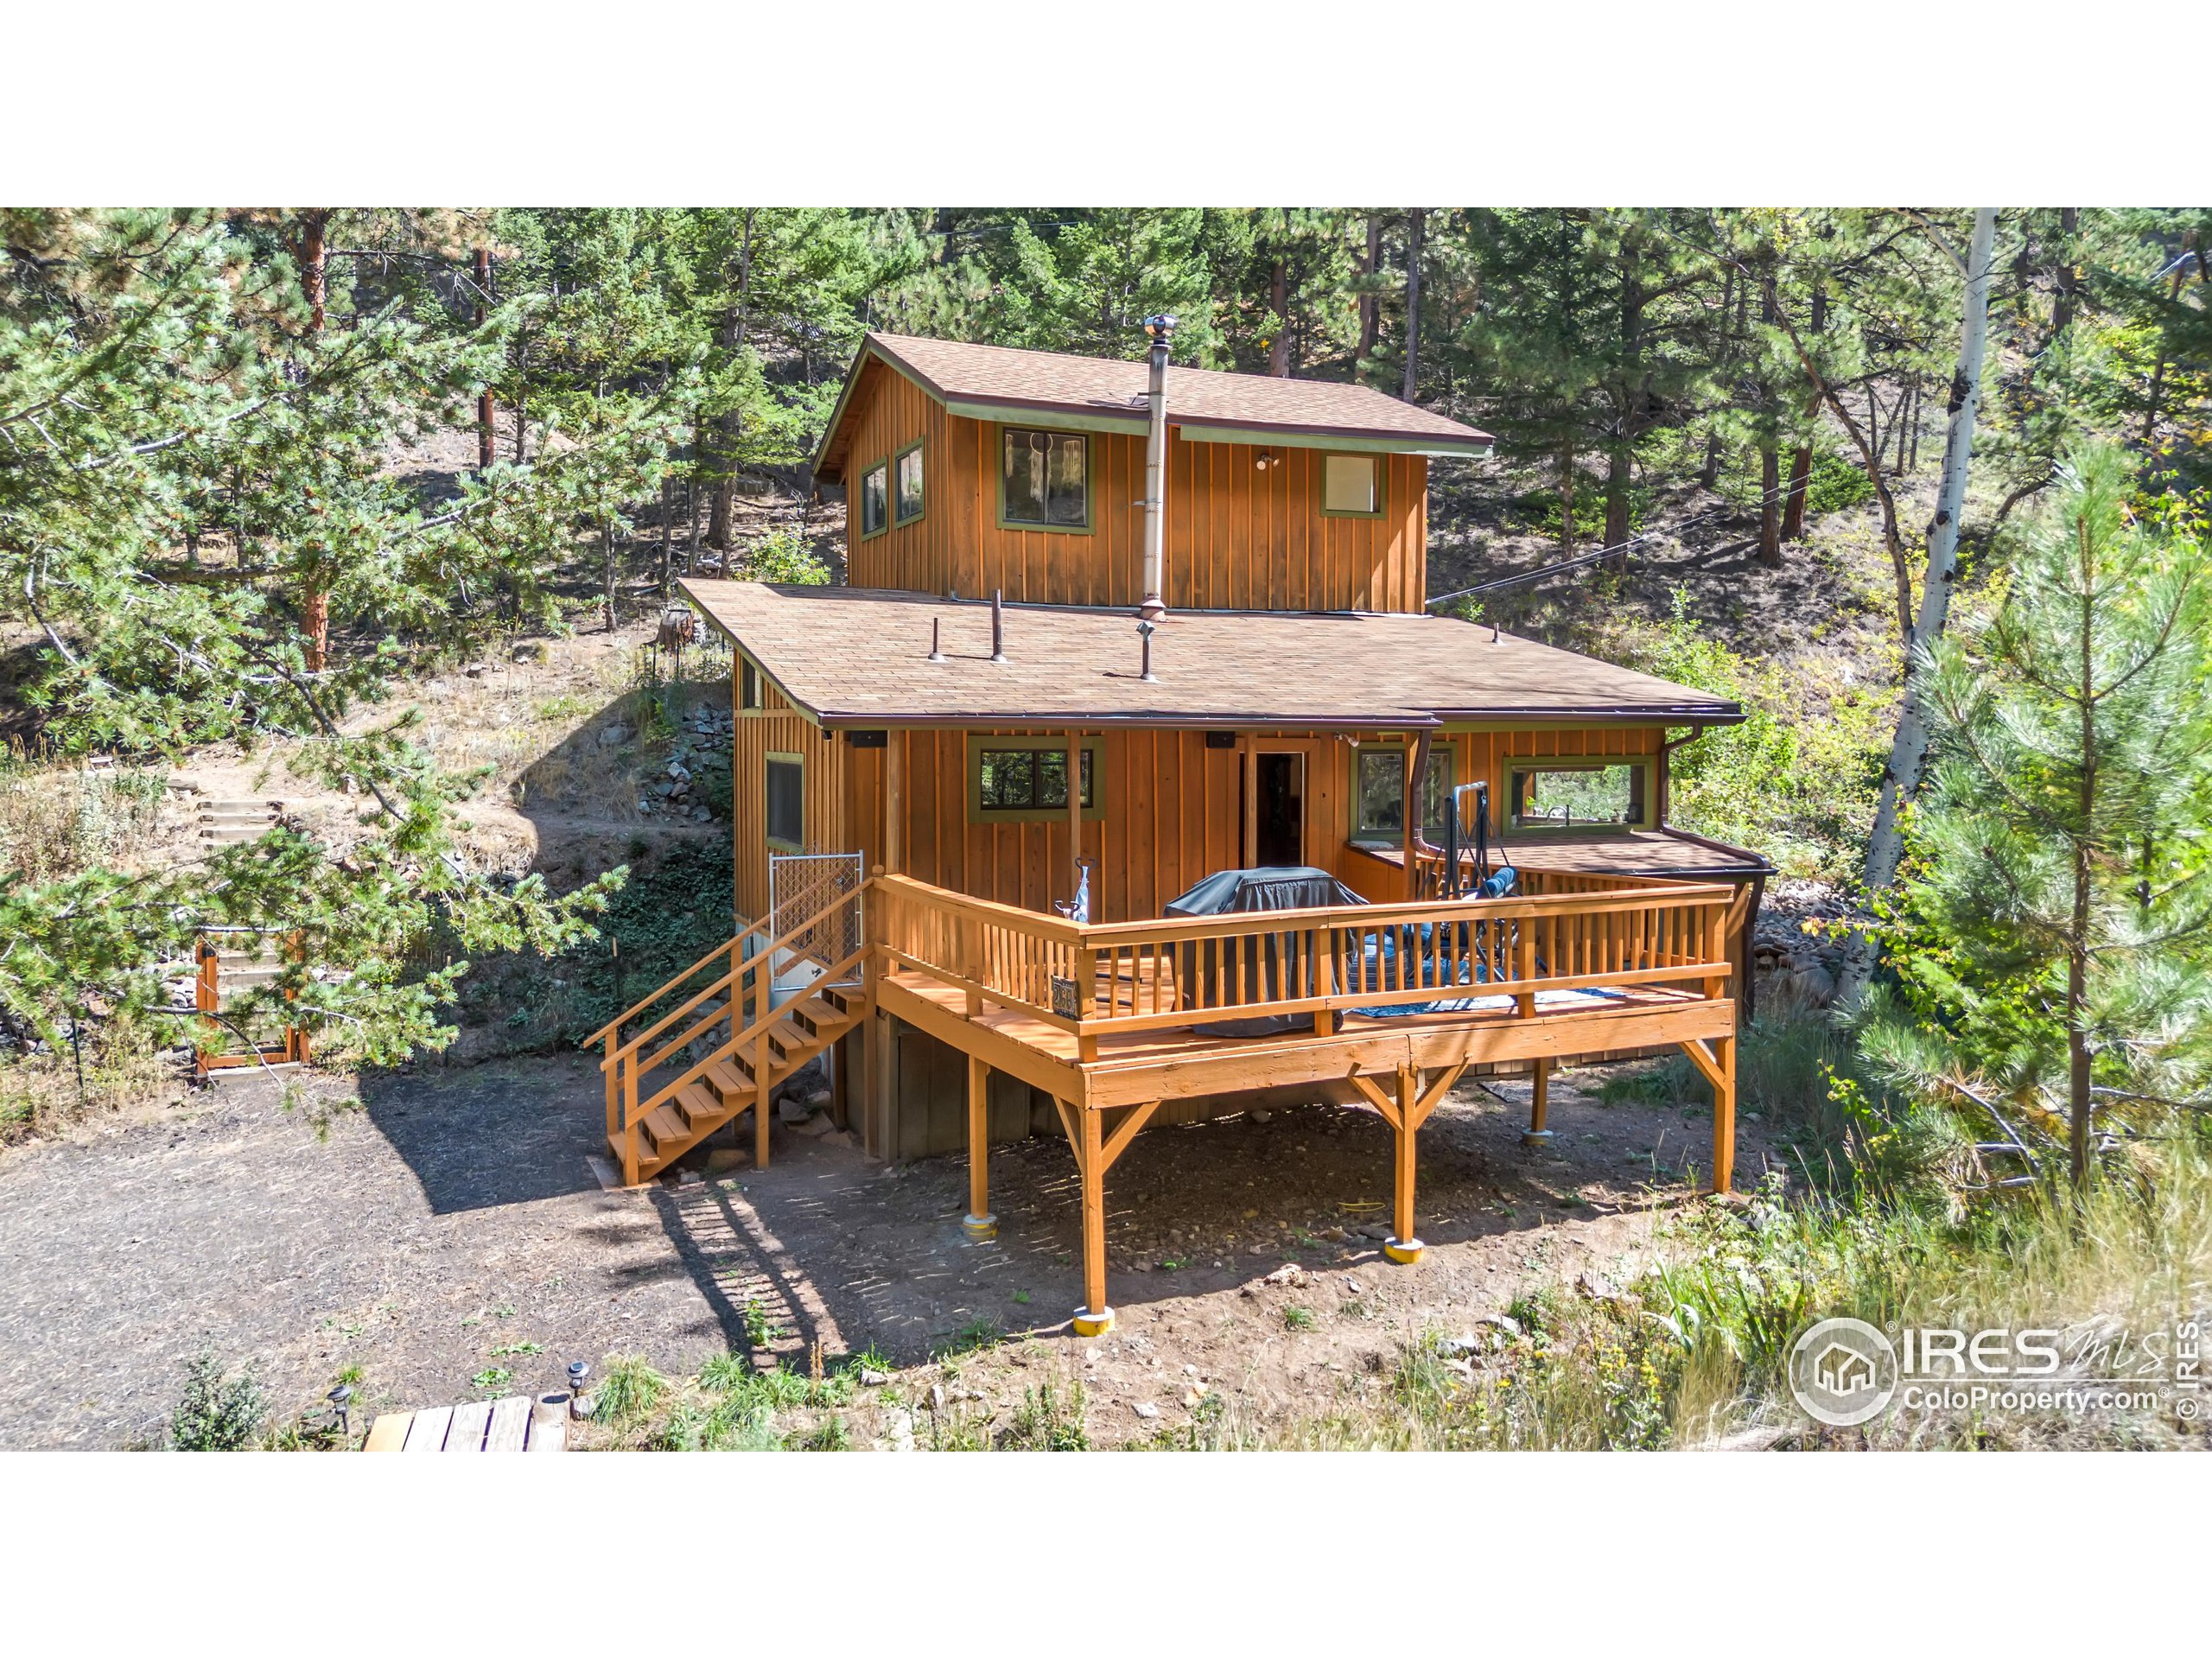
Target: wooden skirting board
514, 1424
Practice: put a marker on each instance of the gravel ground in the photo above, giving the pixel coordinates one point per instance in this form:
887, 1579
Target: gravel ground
418, 1225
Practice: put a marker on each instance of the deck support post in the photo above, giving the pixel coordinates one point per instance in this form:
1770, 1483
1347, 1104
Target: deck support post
875, 1115
1405, 1114
1539, 1091
1718, 1062
979, 1222
1402, 1246
1095, 1318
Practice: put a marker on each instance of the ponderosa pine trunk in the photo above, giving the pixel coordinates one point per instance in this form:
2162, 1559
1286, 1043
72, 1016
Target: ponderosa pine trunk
313, 258
1416, 225
1566, 497
1801, 462
1279, 300
730, 335
1370, 303
1909, 751
1709, 475
1770, 548
484, 407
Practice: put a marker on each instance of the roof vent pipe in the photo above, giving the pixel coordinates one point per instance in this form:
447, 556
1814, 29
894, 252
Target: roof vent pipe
937, 651
1155, 474
998, 624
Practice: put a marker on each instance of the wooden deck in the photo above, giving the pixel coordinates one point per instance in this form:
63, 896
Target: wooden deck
1386, 1004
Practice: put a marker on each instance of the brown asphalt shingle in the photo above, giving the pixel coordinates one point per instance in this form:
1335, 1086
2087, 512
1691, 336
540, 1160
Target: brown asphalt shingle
858, 657
955, 371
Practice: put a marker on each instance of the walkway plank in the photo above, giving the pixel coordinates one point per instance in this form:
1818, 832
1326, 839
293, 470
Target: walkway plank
469, 1422
389, 1432
510, 1425
428, 1431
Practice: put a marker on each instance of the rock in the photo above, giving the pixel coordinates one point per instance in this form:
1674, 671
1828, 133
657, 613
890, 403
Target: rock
1460, 1347
722, 1160
902, 1430
1352, 1285
817, 1125
688, 1177
819, 1099
1378, 1229
615, 736
936, 1402
837, 1138
873, 1379
1289, 1274
1258, 1114
477, 670
681, 774
1146, 1410
529, 651
1505, 1322
790, 1110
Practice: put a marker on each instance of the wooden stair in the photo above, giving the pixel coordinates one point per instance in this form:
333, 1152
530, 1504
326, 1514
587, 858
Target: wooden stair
728, 1082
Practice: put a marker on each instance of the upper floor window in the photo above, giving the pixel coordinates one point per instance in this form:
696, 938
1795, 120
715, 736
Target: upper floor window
1351, 484
875, 499
751, 693
1044, 478
1600, 795
906, 485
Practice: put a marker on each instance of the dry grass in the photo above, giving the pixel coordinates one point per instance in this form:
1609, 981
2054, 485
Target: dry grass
58, 818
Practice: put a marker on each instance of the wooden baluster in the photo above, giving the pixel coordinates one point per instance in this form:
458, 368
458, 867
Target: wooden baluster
1086, 979
630, 1121
1524, 967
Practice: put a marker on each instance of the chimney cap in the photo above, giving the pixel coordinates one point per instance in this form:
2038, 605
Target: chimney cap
1159, 326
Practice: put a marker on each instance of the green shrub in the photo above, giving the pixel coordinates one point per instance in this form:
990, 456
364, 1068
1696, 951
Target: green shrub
1835, 484
217, 1413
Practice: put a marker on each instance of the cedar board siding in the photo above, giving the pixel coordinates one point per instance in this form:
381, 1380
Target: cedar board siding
1238, 538
781, 727
1173, 811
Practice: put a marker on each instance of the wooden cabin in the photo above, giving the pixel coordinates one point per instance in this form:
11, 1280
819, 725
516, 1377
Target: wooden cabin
1199, 596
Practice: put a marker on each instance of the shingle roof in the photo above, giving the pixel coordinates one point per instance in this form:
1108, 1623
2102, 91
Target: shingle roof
1002, 377
858, 657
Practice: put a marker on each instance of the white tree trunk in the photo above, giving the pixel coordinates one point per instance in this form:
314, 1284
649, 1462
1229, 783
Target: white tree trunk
1909, 753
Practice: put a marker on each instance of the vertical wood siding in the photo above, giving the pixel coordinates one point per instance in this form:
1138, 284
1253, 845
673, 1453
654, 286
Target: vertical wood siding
782, 729
1238, 538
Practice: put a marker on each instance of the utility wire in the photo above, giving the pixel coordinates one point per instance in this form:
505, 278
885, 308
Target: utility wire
1580, 559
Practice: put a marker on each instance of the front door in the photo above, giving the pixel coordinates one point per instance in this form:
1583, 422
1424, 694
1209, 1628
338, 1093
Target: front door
1279, 831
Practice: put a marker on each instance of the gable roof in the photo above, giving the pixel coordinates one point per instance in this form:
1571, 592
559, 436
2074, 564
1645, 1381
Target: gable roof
1106, 394
859, 656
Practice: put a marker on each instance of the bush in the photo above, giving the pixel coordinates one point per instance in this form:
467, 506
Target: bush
217, 1412
1835, 484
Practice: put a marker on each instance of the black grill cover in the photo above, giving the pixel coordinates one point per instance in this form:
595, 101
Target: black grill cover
1227, 892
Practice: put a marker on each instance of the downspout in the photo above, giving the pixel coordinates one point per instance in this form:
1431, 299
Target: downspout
1156, 472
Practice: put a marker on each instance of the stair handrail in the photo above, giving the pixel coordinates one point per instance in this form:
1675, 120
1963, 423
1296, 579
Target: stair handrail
615, 1024
738, 1040
766, 953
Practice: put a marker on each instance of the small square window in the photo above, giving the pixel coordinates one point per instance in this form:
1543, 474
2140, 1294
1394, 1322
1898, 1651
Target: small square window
1351, 483
786, 801
1380, 804
1044, 479
875, 499
907, 501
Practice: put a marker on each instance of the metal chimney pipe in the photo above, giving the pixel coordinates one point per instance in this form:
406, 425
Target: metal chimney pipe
998, 624
1155, 474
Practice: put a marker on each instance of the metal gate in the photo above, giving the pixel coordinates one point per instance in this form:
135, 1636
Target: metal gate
826, 885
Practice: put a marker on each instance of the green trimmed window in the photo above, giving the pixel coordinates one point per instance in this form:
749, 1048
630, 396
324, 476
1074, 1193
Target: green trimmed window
875, 499
1351, 485
786, 814
1028, 780
1596, 795
752, 689
1044, 478
1379, 794
906, 485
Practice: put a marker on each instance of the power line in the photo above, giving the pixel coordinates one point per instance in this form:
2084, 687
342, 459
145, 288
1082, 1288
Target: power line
1580, 559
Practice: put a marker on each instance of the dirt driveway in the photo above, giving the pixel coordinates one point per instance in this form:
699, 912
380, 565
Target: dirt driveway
433, 1226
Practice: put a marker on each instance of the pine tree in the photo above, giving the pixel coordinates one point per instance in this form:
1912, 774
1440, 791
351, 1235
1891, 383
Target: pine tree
2058, 917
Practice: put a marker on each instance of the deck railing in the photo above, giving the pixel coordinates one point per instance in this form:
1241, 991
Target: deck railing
1291, 965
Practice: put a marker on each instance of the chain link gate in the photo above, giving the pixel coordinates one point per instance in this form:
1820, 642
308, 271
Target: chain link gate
826, 885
